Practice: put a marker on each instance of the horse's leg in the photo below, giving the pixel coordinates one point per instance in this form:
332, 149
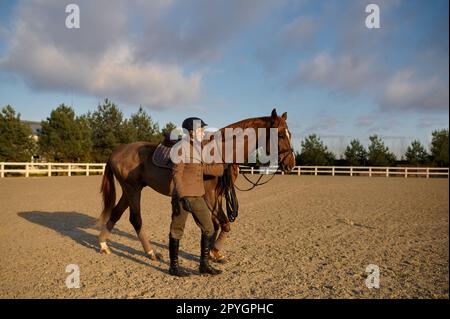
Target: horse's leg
215, 254
136, 221
116, 213
220, 221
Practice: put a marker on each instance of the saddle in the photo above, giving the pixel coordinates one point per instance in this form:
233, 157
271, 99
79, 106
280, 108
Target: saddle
161, 156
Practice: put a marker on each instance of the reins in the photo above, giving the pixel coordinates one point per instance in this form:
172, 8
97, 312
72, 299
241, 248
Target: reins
257, 183
231, 201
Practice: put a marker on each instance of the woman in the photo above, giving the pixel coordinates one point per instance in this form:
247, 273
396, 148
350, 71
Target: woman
188, 198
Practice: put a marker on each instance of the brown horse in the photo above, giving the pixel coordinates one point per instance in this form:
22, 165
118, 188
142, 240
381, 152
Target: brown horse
133, 167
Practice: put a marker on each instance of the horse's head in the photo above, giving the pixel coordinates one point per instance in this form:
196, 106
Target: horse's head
286, 157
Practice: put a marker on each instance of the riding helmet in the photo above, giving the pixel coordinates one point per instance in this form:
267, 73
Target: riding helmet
188, 123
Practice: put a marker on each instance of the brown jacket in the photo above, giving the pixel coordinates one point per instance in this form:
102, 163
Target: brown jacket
188, 174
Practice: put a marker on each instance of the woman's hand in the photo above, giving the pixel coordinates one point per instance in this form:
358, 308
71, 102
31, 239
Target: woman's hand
186, 204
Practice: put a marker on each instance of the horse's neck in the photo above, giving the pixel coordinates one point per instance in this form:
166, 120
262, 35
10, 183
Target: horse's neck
252, 123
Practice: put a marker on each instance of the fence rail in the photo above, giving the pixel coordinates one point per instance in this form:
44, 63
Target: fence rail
50, 169
69, 169
370, 171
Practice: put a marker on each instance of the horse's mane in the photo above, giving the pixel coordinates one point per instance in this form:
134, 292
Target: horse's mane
250, 122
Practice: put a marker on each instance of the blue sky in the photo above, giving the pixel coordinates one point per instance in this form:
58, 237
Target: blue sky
229, 60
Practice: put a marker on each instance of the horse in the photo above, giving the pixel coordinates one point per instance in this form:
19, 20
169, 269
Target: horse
132, 166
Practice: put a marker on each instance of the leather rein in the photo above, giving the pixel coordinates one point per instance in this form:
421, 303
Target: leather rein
257, 183
231, 201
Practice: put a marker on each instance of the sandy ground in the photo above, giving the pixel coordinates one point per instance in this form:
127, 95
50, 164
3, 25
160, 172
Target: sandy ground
296, 237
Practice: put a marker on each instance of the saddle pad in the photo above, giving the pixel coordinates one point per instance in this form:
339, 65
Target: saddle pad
161, 157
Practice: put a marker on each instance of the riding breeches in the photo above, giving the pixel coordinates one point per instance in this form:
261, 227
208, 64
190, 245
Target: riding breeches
201, 214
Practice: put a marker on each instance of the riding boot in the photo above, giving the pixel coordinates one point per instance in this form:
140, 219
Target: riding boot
205, 267
174, 269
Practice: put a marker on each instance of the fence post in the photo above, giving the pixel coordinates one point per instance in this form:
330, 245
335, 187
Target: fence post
298, 170
332, 171
370, 171
428, 172
351, 170
251, 170
27, 173
2, 170
387, 171
315, 171
406, 172
49, 169
69, 172
87, 169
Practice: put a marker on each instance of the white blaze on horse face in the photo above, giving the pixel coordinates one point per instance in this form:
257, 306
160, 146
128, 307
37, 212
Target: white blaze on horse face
289, 139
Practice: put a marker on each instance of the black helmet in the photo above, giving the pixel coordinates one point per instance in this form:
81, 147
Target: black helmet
188, 123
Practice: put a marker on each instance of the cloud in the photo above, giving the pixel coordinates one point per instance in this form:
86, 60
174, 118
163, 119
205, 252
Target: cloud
299, 31
196, 32
408, 92
136, 52
323, 123
366, 120
347, 72
393, 67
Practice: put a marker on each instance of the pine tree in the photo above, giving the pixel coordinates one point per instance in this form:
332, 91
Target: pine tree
314, 152
109, 130
355, 153
16, 142
416, 154
379, 154
439, 147
144, 127
65, 138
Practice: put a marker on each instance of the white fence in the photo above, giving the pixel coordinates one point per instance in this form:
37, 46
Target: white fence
356, 171
69, 169
50, 169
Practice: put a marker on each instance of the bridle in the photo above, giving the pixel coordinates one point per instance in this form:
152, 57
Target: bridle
231, 202
257, 183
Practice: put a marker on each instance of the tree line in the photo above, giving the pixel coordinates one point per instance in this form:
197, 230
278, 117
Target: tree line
65, 137
315, 152
91, 137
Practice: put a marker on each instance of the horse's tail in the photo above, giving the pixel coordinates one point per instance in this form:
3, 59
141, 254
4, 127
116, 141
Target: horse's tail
108, 191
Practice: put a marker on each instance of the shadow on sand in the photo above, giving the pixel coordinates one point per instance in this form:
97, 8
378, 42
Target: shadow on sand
75, 225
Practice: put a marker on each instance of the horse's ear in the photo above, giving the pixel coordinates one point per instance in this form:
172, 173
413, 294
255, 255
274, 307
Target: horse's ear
284, 116
274, 114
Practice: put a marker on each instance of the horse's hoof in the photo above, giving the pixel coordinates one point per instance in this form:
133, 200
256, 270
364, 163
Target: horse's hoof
104, 249
155, 256
216, 256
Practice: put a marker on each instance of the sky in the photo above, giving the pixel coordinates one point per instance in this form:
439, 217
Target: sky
228, 60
